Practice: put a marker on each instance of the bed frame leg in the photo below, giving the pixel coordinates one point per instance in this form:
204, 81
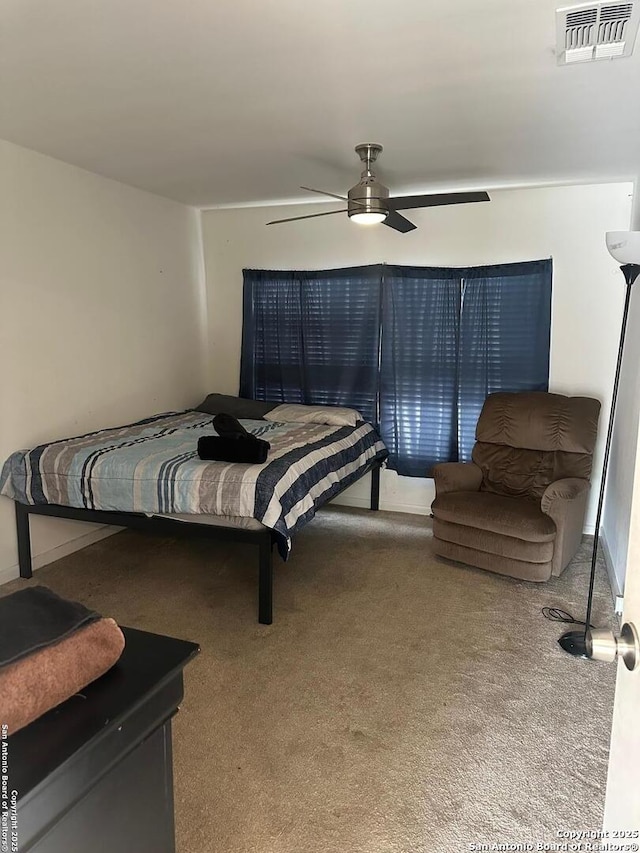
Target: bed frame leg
265, 581
375, 487
24, 540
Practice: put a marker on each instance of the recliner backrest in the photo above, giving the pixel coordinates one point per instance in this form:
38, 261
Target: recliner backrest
527, 440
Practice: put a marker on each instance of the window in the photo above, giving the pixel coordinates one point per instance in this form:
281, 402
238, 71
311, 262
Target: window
312, 338
415, 349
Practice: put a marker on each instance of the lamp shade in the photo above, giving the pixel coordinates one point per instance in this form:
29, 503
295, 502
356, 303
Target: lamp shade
624, 246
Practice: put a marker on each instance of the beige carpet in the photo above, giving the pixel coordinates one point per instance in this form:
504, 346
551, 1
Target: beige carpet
397, 704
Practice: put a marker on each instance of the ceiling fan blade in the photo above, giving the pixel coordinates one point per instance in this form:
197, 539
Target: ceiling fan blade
309, 216
399, 223
323, 192
333, 195
412, 202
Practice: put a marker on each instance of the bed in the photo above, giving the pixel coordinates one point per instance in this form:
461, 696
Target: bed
148, 476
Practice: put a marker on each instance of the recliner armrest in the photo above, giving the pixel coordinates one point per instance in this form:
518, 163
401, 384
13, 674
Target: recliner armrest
565, 502
456, 477
561, 492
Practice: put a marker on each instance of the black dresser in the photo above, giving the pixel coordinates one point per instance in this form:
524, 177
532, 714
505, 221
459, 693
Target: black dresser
95, 774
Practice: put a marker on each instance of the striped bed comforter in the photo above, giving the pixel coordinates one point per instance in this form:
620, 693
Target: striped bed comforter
152, 467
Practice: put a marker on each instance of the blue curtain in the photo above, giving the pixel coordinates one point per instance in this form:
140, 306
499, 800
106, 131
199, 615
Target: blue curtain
271, 365
312, 337
418, 382
450, 337
414, 349
504, 337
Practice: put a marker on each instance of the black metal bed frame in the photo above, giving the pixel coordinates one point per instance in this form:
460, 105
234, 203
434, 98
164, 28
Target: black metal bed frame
264, 539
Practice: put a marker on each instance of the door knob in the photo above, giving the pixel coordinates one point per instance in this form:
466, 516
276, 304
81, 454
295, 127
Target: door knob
604, 645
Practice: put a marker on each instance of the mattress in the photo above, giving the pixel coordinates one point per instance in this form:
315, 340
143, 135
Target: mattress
152, 467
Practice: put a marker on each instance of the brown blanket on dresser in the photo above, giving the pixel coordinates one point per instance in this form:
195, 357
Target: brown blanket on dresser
34, 684
35, 617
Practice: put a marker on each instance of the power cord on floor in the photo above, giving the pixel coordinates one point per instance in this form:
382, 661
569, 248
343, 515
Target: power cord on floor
558, 615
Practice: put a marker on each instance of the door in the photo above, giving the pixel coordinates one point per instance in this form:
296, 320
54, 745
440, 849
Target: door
622, 804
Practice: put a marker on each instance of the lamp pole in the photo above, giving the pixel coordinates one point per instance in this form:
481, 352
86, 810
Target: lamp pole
575, 642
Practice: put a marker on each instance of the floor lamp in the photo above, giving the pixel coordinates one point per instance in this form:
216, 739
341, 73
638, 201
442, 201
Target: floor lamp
624, 246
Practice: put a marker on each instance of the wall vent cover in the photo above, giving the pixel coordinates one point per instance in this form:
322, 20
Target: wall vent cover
592, 31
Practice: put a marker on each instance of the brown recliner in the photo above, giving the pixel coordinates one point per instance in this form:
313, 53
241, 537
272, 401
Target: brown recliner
518, 509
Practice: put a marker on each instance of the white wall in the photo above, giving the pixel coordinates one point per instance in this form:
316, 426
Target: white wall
101, 315
567, 223
622, 461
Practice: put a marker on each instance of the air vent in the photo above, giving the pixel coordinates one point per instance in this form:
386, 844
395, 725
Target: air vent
592, 31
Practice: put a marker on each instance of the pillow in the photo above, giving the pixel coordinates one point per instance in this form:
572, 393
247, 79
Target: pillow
239, 407
295, 413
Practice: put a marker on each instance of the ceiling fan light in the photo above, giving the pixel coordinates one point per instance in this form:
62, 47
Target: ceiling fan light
372, 218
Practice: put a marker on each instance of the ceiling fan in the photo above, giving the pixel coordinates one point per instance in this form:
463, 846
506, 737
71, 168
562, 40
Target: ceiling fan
369, 201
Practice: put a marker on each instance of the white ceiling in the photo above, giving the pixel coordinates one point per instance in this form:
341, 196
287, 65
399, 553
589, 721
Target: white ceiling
237, 101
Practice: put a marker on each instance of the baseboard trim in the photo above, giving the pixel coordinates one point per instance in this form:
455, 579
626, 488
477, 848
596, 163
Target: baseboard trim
365, 503
77, 544
12, 572
608, 561
414, 509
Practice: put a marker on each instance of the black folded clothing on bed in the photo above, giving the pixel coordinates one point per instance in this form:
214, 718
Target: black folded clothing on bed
229, 427
218, 448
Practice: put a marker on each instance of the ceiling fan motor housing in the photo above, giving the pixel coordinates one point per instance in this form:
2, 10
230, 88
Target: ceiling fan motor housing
368, 196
